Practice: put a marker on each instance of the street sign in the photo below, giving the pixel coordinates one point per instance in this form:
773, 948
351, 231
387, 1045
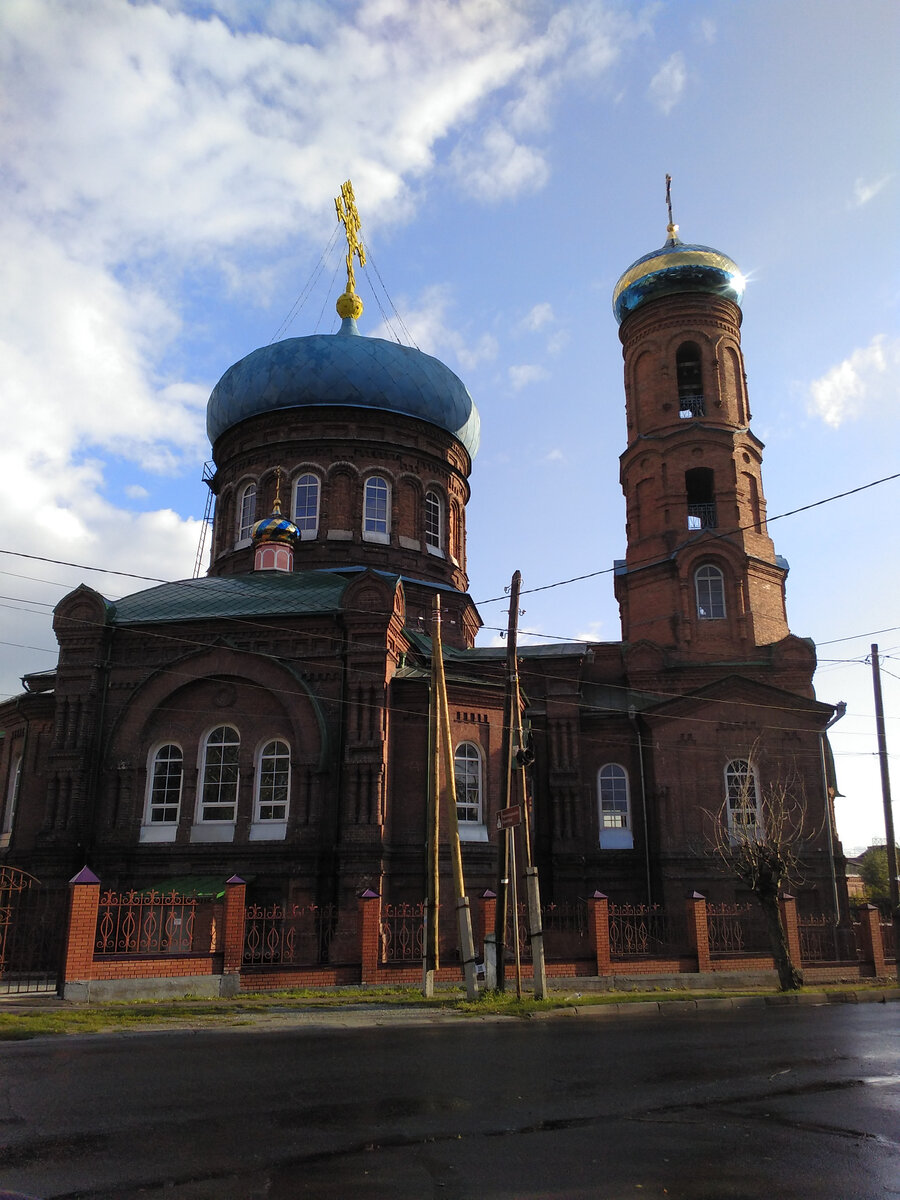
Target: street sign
509, 818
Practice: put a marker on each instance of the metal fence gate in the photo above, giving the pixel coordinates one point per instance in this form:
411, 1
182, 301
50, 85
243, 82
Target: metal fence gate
32, 925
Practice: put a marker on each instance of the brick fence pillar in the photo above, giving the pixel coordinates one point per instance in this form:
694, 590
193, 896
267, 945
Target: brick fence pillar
234, 915
873, 943
698, 930
369, 936
791, 923
488, 916
598, 907
81, 931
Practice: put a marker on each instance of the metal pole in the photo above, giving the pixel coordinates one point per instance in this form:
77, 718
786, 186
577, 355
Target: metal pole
886, 791
514, 896
506, 758
430, 951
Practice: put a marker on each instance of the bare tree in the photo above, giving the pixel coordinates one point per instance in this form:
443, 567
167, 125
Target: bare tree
757, 836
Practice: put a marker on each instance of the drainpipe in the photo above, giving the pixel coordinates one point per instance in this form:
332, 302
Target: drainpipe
632, 716
839, 711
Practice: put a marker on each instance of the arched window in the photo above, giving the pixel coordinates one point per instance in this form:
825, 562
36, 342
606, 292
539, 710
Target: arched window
246, 512
742, 796
700, 487
164, 791
219, 775
689, 374
709, 585
467, 772
376, 510
306, 505
12, 797
615, 808
273, 781
434, 522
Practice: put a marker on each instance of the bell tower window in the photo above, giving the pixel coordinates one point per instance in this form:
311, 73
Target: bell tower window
709, 584
434, 522
306, 505
699, 484
376, 510
689, 374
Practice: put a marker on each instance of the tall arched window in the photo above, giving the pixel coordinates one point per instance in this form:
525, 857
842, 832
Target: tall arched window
468, 775
742, 796
219, 775
246, 512
689, 374
615, 808
12, 797
164, 791
434, 521
709, 585
700, 488
306, 505
376, 509
273, 781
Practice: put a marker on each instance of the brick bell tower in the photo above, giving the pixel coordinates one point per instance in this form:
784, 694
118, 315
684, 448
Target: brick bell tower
700, 575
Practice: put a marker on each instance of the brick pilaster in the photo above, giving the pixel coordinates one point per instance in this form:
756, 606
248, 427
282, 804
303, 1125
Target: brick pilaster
81, 931
791, 923
873, 943
488, 916
369, 936
698, 930
233, 937
598, 907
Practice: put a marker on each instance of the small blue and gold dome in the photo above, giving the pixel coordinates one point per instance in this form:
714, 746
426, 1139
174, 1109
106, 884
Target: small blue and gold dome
276, 528
677, 267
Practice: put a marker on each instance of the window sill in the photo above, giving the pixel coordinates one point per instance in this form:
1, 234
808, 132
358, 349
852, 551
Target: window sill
616, 839
436, 551
208, 832
383, 539
158, 833
268, 831
472, 832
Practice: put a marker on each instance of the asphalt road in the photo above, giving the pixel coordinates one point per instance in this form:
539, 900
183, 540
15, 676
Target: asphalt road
783, 1104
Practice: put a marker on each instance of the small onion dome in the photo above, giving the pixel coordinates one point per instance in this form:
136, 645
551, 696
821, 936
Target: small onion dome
677, 267
344, 369
276, 528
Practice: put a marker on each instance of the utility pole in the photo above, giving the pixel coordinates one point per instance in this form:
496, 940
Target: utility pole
430, 951
506, 760
891, 845
463, 912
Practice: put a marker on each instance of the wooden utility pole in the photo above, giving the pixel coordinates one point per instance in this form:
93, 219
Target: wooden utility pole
891, 842
463, 912
430, 950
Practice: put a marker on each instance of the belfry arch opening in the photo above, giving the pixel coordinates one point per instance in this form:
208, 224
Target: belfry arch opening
689, 376
700, 486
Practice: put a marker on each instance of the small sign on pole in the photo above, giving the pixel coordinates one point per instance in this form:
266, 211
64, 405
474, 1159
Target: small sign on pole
509, 818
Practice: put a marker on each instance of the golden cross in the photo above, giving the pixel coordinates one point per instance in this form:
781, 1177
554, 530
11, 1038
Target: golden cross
345, 205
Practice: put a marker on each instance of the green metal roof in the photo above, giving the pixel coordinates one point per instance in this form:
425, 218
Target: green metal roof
252, 595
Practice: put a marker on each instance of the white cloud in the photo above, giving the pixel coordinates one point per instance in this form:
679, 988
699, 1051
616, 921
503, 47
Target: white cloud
538, 317
521, 376
427, 322
495, 166
864, 191
555, 456
134, 491
863, 384
667, 85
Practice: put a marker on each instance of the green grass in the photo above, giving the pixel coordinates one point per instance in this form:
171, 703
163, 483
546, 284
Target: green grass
248, 1006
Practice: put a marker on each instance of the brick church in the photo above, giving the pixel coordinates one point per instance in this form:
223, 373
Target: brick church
272, 719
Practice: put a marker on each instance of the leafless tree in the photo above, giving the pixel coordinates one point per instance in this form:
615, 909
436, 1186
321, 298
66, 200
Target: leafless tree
757, 835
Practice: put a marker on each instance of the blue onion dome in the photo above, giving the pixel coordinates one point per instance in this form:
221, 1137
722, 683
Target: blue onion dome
344, 368
276, 528
677, 267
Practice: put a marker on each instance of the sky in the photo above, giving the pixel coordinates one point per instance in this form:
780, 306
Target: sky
167, 174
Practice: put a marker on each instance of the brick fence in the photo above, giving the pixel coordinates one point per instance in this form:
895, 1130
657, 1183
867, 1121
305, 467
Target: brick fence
148, 951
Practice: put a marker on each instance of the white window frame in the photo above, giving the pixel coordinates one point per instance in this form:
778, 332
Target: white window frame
13, 787
376, 525
614, 788
217, 829
246, 520
154, 830
705, 576
434, 522
271, 828
742, 807
471, 828
307, 522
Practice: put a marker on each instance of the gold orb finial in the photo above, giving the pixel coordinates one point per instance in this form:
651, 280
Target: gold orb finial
349, 304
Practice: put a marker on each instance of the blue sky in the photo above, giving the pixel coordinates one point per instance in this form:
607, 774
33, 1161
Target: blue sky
166, 194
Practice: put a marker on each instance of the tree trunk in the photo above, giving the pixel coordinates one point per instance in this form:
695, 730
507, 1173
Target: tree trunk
790, 978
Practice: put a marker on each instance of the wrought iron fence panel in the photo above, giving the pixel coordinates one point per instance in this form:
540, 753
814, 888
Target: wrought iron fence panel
567, 932
644, 931
32, 930
736, 929
289, 934
146, 923
858, 941
817, 938
403, 932
889, 938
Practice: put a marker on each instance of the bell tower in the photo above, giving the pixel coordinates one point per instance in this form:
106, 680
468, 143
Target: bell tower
700, 575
